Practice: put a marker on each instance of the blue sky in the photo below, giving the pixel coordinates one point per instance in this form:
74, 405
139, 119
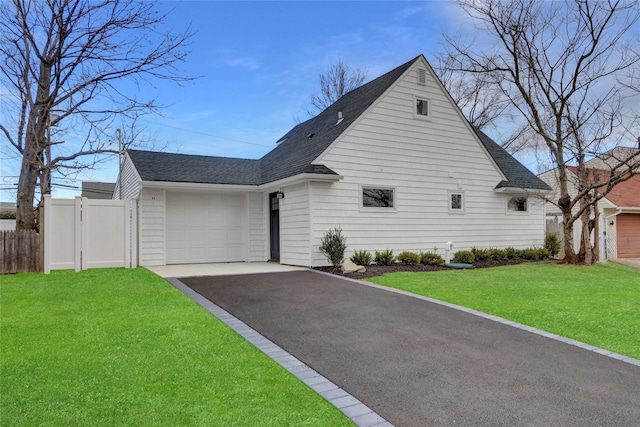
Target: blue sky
259, 62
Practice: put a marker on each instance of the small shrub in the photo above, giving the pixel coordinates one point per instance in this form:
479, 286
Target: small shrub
429, 258
552, 243
535, 254
7, 215
511, 252
465, 257
543, 253
409, 258
481, 254
361, 258
384, 258
333, 245
498, 254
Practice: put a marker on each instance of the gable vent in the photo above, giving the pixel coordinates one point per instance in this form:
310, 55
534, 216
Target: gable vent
422, 77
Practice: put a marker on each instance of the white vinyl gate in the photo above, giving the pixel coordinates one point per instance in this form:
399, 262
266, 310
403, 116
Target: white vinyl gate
86, 233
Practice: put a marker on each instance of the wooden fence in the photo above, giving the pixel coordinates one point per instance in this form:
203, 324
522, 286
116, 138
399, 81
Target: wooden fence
21, 251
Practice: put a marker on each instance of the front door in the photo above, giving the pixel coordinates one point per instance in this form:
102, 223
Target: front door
274, 226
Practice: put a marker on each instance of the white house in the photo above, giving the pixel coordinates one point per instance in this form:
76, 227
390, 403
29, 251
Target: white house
394, 163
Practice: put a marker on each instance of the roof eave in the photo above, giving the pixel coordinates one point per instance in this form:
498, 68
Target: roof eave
520, 190
169, 185
303, 177
198, 186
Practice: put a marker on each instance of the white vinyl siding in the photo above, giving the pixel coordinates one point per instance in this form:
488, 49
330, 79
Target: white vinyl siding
425, 161
130, 181
151, 227
294, 225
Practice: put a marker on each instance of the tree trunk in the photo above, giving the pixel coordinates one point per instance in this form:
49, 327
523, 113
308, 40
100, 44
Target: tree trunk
25, 216
35, 143
570, 256
586, 250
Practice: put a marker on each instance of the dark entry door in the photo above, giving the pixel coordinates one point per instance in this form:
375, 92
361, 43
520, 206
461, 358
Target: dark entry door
274, 226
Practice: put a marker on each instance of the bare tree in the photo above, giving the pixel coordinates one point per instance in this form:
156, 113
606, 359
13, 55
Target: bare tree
339, 79
483, 104
556, 63
74, 66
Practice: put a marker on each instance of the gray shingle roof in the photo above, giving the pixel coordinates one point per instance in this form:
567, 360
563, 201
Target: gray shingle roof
155, 166
305, 142
293, 156
518, 176
301, 146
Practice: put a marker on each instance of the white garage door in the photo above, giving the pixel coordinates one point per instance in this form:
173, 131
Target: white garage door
205, 227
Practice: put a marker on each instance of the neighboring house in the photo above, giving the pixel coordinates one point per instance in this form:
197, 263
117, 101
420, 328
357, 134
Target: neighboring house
98, 190
7, 216
619, 211
394, 163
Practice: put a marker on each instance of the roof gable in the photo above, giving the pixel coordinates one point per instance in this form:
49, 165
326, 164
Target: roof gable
307, 141
303, 144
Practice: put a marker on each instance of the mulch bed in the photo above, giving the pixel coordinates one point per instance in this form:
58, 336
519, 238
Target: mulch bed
379, 270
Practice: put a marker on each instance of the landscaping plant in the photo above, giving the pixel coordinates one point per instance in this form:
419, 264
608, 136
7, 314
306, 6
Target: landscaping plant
430, 258
333, 245
384, 258
409, 258
552, 243
464, 257
361, 258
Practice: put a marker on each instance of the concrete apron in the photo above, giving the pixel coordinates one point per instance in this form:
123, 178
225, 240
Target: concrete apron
221, 269
631, 262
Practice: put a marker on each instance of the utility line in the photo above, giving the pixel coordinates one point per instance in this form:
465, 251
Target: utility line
203, 133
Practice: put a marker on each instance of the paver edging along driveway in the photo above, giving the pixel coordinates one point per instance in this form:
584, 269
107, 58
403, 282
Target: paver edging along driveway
419, 363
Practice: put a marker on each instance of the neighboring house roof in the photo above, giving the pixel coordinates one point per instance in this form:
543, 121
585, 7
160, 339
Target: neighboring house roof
613, 158
98, 190
7, 206
625, 194
301, 146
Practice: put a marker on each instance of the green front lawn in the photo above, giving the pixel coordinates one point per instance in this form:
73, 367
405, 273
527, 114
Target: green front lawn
123, 347
598, 305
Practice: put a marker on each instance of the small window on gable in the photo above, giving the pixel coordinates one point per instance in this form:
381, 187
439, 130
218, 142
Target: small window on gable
422, 108
456, 202
377, 197
517, 204
422, 77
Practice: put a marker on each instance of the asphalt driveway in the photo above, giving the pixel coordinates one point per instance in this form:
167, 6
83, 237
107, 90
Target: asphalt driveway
418, 363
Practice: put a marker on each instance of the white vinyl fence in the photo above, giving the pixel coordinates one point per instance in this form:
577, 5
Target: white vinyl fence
86, 233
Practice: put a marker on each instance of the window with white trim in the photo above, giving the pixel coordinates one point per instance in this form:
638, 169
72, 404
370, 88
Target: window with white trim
422, 108
456, 202
376, 197
517, 204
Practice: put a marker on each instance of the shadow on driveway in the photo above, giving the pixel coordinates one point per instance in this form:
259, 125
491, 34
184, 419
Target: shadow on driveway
418, 363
